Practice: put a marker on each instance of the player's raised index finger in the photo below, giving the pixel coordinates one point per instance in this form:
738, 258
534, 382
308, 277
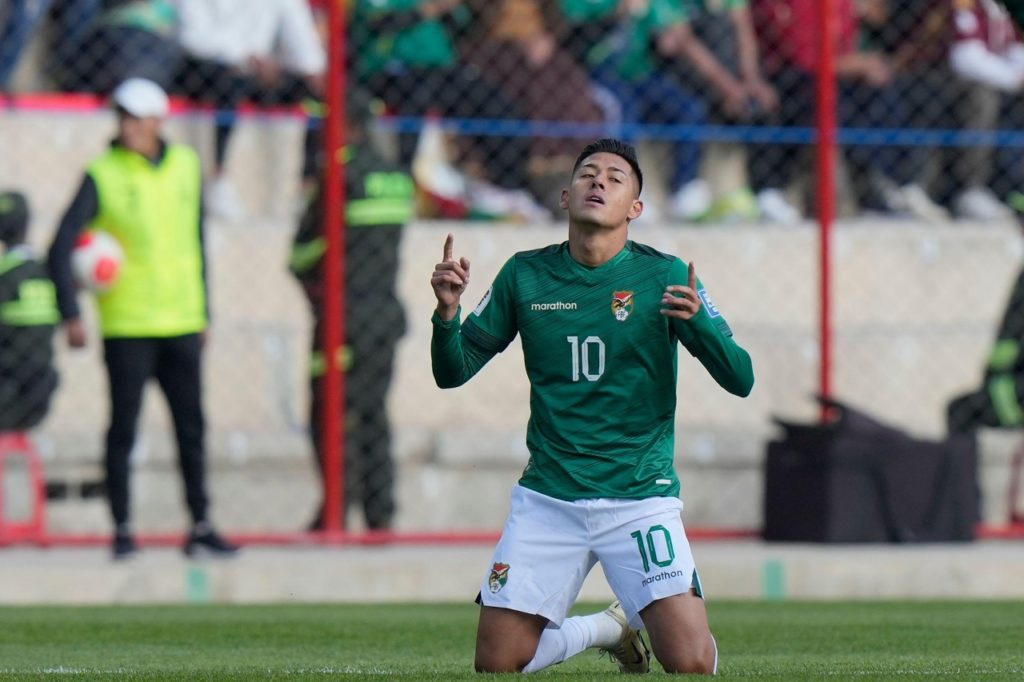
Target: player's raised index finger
449, 246
692, 276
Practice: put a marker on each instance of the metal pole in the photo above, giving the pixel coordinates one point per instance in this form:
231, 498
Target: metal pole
333, 275
826, 186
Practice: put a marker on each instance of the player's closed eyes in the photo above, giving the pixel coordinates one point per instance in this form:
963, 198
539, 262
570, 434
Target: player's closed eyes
590, 175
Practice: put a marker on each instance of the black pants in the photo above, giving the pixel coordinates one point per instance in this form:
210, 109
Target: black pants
860, 105
175, 363
369, 470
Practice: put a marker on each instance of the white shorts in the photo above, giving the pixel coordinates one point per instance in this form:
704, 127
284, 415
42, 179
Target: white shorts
548, 547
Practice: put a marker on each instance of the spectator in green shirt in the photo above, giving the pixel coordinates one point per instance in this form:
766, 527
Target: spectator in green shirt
406, 54
587, 23
627, 63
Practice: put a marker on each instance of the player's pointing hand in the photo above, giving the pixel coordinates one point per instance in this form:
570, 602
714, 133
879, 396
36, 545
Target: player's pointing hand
682, 302
449, 280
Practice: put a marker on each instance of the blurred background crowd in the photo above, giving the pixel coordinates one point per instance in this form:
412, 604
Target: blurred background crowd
472, 112
928, 92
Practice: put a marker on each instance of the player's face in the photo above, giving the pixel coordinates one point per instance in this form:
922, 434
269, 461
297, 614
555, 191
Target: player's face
603, 192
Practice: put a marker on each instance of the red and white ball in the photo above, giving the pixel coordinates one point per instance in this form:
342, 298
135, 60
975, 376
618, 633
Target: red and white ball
96, 260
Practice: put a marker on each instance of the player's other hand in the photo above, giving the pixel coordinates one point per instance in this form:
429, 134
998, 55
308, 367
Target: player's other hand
682, 302
449, 280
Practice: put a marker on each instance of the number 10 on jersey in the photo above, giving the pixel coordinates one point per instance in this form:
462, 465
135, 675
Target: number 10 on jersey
585, 355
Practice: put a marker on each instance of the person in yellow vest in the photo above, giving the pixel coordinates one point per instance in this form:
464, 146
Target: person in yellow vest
146, 193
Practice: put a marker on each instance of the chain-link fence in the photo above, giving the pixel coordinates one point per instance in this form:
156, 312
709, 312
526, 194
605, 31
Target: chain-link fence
466, 116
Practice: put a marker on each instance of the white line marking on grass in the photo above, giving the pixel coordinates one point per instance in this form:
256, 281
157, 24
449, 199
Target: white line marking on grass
347, 670
61, 670
957, 672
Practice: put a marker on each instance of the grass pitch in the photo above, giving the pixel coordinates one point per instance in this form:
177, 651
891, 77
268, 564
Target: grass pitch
760, 640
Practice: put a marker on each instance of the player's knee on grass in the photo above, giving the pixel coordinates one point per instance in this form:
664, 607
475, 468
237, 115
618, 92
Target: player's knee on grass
495, 662
693, 657
506, 640
680, 637
502, 656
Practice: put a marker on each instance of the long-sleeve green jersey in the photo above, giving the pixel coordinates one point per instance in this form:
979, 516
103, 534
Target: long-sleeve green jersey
601, 360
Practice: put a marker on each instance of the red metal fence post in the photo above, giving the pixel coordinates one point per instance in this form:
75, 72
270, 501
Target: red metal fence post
333, 274
826, 149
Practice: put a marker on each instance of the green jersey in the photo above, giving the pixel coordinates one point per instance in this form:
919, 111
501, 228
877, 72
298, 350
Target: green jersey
632, 51
391, 34
154, 16
578, 11
602, 363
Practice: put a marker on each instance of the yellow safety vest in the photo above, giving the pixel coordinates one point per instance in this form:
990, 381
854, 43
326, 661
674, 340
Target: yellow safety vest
153, 211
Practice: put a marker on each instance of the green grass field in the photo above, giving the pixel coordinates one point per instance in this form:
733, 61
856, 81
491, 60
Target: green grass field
760, 640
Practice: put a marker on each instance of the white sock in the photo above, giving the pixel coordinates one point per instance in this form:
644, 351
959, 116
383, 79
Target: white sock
714, 668
605, 630
558, 644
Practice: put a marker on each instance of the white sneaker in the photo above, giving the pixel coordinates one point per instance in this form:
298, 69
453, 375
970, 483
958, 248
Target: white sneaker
912, 200
631, 653
692, 201
499, 203
776, 208
979, 203
222, 199
917, 202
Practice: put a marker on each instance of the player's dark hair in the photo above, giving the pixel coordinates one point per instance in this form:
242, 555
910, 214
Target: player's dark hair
13, 218
612, 146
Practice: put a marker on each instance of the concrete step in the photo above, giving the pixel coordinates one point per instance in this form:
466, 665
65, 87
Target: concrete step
420, 573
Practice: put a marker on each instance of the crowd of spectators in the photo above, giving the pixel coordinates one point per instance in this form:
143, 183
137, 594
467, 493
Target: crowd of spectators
217, 52
523, 81
658, 69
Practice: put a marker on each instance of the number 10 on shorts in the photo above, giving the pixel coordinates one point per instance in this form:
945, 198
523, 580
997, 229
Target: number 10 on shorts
649, 550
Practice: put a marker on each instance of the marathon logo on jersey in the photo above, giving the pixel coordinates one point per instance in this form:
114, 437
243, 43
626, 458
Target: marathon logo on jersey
622, 304
557, 305
708, 305
498, 577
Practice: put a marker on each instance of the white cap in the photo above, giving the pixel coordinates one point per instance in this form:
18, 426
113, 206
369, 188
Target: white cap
141, 98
